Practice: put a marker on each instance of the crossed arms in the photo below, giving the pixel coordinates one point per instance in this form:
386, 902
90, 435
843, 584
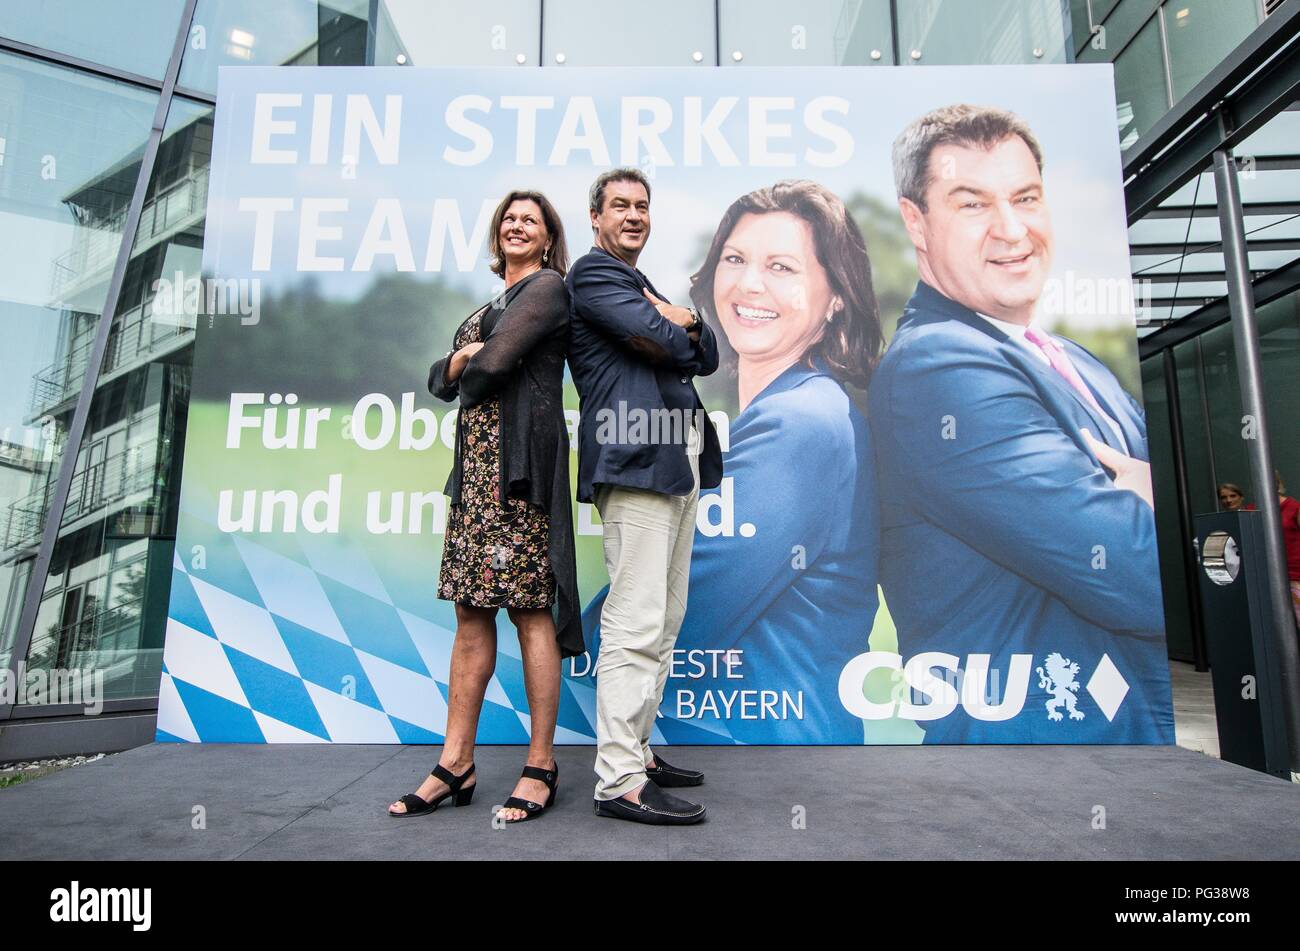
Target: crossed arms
611, 300
1008, 479
477, 372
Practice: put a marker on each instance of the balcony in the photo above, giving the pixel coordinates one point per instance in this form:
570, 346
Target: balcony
94, 491
135, 340
106, 643
181, 205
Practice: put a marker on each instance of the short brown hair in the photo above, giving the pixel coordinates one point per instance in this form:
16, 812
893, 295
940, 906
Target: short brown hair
853, 339
557, 259
596, 197
979, 126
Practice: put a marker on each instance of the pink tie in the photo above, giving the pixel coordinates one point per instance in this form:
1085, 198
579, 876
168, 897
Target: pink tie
1055, 354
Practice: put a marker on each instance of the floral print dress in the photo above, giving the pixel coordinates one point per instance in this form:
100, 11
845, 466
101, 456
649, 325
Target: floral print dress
495, 551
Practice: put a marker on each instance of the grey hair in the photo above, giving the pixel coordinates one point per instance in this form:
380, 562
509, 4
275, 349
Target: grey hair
596, 197
980, 126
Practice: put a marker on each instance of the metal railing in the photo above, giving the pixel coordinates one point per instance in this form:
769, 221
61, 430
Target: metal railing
95, 249
127, 671
94, 488
137, 337
176, 205
135, 341
84, 636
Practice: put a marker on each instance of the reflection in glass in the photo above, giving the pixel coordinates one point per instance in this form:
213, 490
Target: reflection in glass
943, 32
1201, 34
289, 32
628, 33
70, 150
1140, 92
457, 33
1279, 351
1202, 480
105, 600
1169, 534
817, 33
1223, 394
132, 35
1080, 24
358, 33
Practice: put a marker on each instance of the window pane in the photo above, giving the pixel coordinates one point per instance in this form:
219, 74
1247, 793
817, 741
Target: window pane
1102, 8
458, 33
1080, 25
1169, 534
256, 33
1201, 33
1279, 350
1279, 345
1196, 431
1140, 93
1223, 395
70, 149
957, 32
814, 33
134, 35
104, 606
343, 33
1122, 24
625, 33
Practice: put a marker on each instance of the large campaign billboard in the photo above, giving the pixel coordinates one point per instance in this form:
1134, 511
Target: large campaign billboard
951, 542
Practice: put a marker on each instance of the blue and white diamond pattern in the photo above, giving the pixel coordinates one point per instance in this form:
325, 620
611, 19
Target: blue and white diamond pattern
315, 650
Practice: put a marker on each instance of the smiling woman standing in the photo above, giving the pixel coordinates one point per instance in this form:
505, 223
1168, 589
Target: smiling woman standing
509, 539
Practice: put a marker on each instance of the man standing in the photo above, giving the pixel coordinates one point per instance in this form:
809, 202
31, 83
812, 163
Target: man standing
645, 449
1018, 537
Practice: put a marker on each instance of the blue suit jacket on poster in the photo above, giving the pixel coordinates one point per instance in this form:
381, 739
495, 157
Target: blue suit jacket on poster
1002, 534
798, 596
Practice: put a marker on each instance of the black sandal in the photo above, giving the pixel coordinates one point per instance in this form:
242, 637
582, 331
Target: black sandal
550, 777
417, 805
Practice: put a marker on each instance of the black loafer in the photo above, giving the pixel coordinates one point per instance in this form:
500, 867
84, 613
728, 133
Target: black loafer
666, 776
657, 808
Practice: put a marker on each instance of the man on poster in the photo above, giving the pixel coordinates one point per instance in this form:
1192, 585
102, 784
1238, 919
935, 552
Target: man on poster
1016, 493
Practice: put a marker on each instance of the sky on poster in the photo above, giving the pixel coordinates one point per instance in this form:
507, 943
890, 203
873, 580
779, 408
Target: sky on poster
1070, 108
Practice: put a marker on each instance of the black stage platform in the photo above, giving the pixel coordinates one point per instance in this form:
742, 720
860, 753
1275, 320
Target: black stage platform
328, 802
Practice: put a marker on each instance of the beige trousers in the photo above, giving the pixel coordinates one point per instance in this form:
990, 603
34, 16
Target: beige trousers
648, 538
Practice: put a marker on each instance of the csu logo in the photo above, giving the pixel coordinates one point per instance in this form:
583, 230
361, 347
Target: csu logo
940, 683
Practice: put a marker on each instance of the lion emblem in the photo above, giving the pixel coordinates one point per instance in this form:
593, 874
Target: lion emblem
1062, 679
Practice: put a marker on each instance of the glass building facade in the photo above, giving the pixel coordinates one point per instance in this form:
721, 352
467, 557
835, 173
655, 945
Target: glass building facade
105, 141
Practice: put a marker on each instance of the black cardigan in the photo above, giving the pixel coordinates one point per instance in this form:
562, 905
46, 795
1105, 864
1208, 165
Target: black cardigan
525, 336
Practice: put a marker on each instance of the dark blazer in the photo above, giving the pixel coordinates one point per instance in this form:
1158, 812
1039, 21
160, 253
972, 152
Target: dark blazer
628, 360
525, 337
1002, 534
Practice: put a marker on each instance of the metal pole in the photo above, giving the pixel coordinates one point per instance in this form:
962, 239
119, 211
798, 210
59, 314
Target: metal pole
893, 31
1245, 337
1187, 531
